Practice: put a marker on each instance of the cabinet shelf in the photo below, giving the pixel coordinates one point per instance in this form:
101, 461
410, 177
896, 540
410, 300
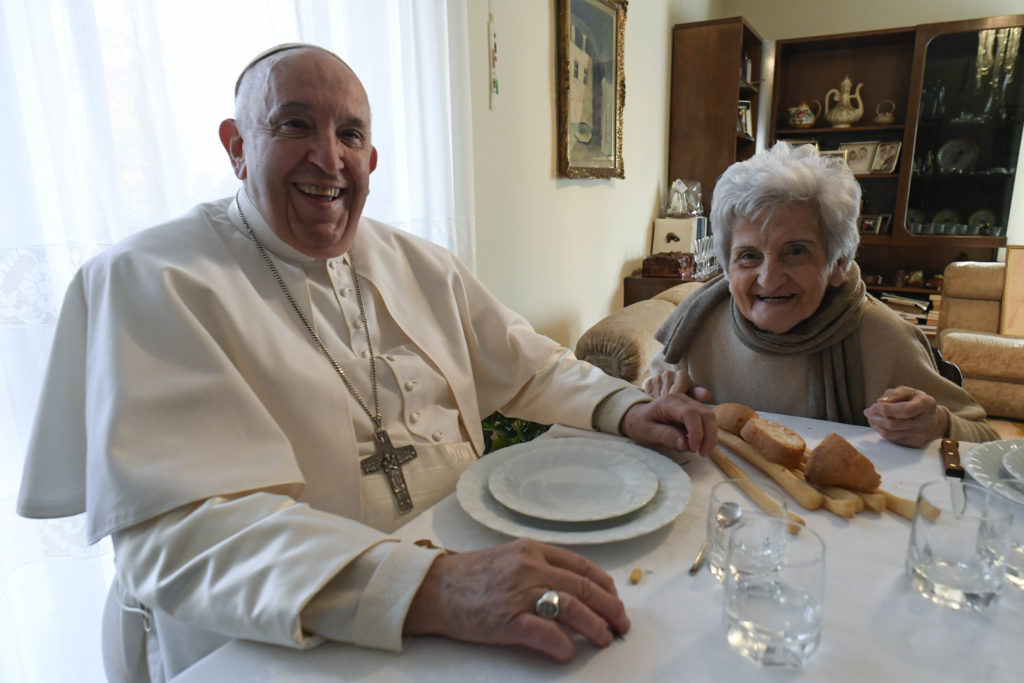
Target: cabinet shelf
837, 131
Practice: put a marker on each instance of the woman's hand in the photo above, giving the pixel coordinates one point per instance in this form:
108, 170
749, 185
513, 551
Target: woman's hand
675, 382
908, 417
674, 420
490, 596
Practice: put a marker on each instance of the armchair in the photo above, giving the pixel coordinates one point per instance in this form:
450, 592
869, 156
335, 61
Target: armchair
968, 335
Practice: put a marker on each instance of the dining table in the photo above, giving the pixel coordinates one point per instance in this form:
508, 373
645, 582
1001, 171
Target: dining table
875, 626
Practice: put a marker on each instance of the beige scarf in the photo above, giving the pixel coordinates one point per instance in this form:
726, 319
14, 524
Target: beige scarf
830, 336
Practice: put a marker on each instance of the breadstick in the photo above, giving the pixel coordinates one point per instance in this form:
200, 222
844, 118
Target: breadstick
838, 501
901, 506
801, 491
733, 471
874, 501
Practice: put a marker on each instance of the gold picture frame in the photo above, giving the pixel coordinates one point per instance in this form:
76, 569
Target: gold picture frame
1011, 320
591, 87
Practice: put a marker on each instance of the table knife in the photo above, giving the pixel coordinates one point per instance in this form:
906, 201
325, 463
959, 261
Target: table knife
950, 450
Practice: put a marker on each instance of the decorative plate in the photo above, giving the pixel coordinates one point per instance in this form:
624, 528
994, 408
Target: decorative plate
916, 216
572, 482
957, 154
984, 462
674, 489
946, 217
982, 218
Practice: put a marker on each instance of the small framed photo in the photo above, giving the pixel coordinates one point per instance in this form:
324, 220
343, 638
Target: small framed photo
834, 153
870, 224
884, 221
744, 120
859, 155
797, 143
886, 157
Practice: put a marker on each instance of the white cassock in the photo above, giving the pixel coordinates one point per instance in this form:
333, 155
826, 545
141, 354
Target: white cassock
190, 415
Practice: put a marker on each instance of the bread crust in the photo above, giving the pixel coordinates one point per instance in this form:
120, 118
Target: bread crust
775, 442
835, 462
732, 416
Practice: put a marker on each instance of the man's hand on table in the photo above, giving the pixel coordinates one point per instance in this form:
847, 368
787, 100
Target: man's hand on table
674, 420
490, 596
908, 417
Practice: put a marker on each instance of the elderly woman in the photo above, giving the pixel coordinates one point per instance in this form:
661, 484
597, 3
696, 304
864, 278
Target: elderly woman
789, 328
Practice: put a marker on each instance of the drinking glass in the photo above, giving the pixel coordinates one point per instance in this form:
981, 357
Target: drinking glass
958, 544
1013, 489
774, 591
737, 491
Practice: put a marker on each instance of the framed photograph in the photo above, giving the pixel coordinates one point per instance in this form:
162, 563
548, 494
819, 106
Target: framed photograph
886, 156
1012, 318
744, 121
797, 143
835, 153
859, 155
591, 87
885, 220
870, 225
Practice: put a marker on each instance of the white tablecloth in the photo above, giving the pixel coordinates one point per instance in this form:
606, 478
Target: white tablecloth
875, 627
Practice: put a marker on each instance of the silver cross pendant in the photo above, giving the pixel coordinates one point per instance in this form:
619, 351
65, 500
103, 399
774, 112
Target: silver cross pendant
389, 460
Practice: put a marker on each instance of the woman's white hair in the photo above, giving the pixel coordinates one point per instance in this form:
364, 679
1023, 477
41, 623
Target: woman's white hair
754, 189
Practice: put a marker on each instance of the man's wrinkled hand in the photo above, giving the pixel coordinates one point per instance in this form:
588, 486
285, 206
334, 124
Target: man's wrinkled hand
490, 596
674, 420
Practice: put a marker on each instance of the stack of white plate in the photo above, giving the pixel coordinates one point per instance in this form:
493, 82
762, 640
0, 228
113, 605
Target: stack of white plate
574, 491
988, 462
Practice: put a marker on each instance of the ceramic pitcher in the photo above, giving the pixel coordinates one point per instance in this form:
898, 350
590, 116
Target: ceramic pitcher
848, 106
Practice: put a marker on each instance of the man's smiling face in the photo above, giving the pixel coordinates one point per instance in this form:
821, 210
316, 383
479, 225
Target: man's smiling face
302, 148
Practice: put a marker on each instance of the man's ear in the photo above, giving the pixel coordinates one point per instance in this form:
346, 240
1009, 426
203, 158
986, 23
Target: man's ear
231, 138
838, 275
373, 159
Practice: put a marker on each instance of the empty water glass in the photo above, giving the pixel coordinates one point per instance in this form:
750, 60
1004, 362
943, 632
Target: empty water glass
1013, 489
774, 591
958, 544
737, 491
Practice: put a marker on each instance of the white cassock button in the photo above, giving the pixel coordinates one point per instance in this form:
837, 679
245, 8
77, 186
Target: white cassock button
437, 436
414, 416
364, 354
411, 384
357, 323
343, 291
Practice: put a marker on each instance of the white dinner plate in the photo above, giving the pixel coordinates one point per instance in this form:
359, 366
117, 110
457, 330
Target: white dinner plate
984, 462
1013, 462
577, 482
673, 493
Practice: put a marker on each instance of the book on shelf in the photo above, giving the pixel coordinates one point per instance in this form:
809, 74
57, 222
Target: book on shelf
910, 301
906, 308
936, 300
933, 317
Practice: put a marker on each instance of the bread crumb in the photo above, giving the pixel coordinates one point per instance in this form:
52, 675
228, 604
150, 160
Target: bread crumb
635, 575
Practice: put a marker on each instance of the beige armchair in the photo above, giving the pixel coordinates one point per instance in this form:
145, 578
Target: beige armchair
992, 364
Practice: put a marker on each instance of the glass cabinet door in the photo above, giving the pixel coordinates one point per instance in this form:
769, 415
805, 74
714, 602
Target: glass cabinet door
968, 135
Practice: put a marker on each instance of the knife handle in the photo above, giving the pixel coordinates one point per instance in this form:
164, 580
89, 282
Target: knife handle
950, 449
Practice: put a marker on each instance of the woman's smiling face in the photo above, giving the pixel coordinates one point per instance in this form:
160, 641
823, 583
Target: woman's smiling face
778, 273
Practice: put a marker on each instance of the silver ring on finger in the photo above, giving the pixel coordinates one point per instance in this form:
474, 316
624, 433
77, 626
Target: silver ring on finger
547, 605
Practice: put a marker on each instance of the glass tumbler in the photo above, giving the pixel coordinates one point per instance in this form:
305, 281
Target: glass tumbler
958, 544
738, 491
774, 591
1013, 489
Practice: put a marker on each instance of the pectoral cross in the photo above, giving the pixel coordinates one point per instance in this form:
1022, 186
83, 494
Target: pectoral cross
389, 460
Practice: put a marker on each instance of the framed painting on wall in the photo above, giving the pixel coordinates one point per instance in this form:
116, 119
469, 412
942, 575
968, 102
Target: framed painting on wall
1012, 320
591, 87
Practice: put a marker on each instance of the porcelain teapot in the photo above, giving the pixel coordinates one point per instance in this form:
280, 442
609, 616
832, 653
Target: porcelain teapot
884, 115
804, 115
845, 111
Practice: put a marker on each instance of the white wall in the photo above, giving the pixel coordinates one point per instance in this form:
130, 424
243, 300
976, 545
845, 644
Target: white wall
554, 249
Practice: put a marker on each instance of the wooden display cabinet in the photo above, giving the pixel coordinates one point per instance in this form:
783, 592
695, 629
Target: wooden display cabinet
709, 80
896, 65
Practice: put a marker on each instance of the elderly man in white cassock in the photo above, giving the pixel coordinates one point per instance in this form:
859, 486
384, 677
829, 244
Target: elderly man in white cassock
250, 398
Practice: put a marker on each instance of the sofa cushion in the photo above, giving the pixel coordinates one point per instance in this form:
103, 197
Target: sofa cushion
999, 399
676, 294
985, 356
623, 343
969, 314
973, 280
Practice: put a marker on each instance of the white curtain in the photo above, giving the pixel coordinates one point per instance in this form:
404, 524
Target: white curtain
109, 116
